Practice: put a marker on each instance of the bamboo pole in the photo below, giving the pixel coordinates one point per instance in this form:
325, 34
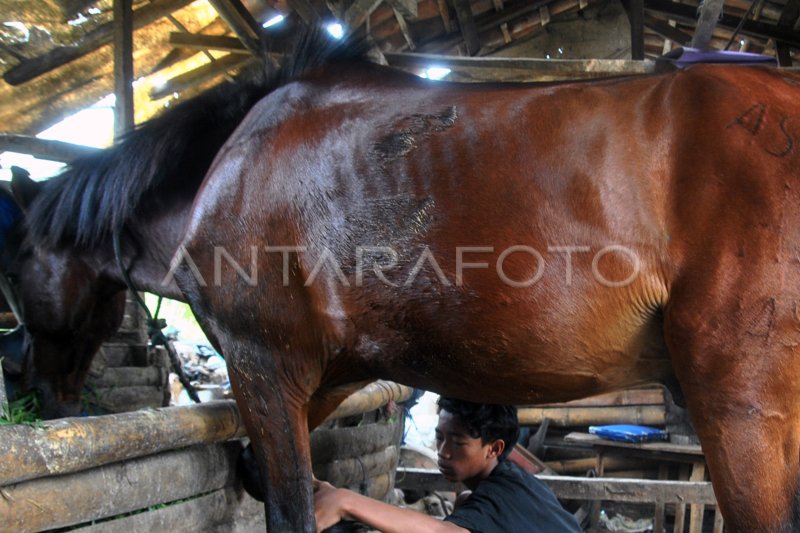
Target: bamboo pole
651, 415
624, 397
75, 444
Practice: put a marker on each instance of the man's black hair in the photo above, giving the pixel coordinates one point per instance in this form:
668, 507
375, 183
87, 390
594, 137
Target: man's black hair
488, 422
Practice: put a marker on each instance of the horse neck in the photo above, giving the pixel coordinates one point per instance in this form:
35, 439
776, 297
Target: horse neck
147, 248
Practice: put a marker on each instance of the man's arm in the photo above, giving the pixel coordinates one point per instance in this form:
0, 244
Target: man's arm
332, 504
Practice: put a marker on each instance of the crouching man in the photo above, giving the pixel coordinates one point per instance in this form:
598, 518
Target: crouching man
472, 441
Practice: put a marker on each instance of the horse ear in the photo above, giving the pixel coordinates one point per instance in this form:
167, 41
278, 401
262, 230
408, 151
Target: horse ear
23, 187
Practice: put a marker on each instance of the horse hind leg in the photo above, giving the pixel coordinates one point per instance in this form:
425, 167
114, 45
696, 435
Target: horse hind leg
740, 372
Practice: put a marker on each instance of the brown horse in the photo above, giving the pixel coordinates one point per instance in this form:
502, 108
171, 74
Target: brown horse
502, 243
513, 244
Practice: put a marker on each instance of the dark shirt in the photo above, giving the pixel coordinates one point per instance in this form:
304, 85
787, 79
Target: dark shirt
511, 500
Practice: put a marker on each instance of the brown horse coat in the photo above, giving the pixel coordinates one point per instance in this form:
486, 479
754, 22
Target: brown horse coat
515, 244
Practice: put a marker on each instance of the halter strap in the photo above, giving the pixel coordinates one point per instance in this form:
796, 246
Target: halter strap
155, 325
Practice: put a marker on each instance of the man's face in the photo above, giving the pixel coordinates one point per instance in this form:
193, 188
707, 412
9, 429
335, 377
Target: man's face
462, 457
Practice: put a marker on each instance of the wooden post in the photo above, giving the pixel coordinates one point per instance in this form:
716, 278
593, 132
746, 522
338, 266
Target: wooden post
123, 66
594, 514
696, 510
680, 509
658, 519
3, 397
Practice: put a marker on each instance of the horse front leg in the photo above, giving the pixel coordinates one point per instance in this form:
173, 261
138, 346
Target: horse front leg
273, 401
741, 378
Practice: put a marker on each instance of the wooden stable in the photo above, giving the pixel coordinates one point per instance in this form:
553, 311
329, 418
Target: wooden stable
80, 470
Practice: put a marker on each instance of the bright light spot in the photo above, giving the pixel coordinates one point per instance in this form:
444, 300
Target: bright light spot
741, 42
77, 21
19, 26
336, 30
435, 73
547, 56
94, 11
93, 126
277, 19
560, 50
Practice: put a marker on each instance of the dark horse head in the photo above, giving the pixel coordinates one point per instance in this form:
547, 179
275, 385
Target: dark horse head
57, 248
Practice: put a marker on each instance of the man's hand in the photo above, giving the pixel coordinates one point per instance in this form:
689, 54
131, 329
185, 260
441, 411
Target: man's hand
327, 504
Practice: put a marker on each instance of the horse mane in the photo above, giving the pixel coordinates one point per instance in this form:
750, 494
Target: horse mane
97, 194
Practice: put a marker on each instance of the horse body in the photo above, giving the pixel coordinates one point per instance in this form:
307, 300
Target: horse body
512, 244
503, 243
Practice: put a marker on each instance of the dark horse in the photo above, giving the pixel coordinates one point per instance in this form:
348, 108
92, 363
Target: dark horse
504, 243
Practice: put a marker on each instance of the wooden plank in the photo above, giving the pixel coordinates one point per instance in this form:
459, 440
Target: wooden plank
305, 10
207, 72
43, 148
662, 28
236, 15
689, 452
581, 488
524, 69
100, 36
226, 510
207, 42
60, 501
630, 490
404, 29
123, 67
466, 23
649, 415
685, 14
358, 12
407, 8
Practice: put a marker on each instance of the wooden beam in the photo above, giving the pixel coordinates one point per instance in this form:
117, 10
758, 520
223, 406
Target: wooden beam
404, 29
305, 10
408, 8
524, 69
466, 22
685, 14
635, 11
706, 22
100, 36
444, 12
582, 488
236, 15
123, 67
671, 33
790, 16
43, 148
358, 12
207, 72
198, 41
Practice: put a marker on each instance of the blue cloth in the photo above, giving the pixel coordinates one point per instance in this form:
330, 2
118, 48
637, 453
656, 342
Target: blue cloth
683, 57
628, 433
10, 213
